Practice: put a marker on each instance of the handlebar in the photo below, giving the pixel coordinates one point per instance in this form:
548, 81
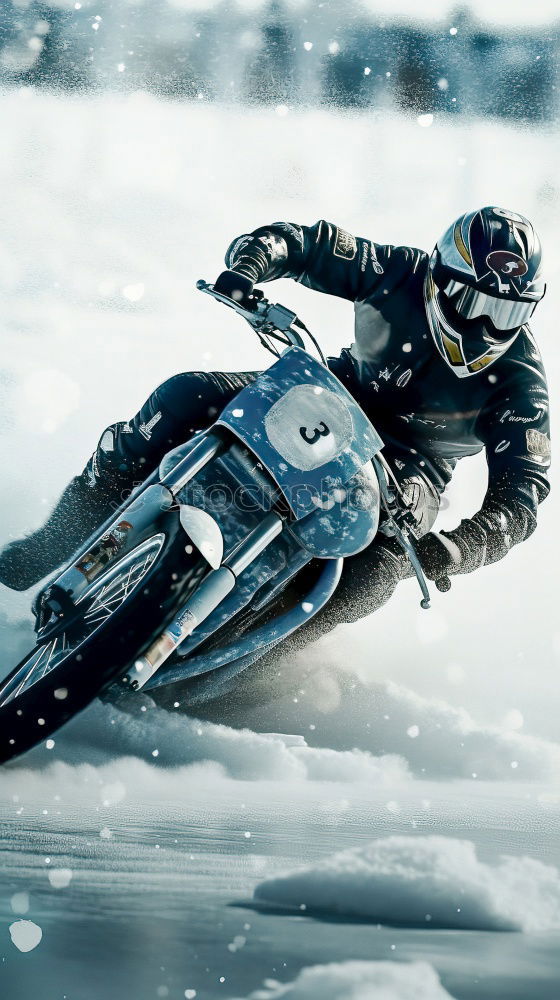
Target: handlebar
270, 322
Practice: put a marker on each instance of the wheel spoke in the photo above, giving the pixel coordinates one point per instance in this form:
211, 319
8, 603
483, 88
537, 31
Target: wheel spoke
127, 581
46, 668
97, 606
95, 621
28, 674
107, 595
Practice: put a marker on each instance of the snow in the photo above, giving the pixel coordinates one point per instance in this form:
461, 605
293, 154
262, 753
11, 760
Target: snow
137, 207
116, 206
414, 880
104, 733
20, 902
358, 981
514, 12
437, 739
60, 878
160, 891
25, 935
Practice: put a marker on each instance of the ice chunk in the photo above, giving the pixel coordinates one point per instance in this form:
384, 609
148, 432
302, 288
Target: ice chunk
401, 879
359, 981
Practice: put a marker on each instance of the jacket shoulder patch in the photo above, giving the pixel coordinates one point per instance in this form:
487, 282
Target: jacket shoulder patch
345, 245
538, 443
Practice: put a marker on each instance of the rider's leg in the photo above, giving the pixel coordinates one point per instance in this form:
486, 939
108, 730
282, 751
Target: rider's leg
370, 578
126, 455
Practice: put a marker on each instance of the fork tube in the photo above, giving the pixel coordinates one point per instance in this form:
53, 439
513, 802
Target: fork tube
192, 463
209, 595
252, 546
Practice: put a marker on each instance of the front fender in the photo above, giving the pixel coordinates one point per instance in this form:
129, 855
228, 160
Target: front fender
343, 521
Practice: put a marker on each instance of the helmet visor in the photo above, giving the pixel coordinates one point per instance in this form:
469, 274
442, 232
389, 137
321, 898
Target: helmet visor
469, 303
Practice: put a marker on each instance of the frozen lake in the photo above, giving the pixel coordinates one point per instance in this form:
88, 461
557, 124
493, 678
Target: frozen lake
160, 899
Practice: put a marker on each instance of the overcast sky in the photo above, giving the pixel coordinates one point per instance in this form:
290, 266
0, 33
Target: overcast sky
499, 11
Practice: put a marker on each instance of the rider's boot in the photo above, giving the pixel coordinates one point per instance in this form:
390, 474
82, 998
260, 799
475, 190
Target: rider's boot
80, 510
88, 500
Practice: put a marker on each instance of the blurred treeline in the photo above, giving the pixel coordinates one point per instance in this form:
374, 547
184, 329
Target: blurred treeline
335, 53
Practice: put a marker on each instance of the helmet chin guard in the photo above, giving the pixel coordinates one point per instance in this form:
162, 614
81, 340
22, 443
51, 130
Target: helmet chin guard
484, 282
465, 355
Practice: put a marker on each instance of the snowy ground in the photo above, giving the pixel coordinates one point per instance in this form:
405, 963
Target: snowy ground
141, 872
416, 724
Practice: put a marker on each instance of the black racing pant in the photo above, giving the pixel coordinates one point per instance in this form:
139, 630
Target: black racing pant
129, 451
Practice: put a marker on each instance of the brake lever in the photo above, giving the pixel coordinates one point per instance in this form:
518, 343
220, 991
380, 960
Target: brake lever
402, 526
265, 318
248, 314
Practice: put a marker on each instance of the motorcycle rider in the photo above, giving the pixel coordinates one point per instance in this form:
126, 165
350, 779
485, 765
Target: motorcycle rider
443, 363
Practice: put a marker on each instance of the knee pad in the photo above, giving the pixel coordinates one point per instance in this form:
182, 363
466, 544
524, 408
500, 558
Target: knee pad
423, 500
110, 463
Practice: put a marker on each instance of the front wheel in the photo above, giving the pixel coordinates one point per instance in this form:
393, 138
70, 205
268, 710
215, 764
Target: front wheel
125, 608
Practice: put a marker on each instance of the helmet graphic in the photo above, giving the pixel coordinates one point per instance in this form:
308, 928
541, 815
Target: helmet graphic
482, 285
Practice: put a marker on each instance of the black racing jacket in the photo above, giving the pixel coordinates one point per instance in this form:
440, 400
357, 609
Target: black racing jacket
415, 401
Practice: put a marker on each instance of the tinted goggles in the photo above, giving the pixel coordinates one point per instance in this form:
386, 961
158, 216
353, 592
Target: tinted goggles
470, 303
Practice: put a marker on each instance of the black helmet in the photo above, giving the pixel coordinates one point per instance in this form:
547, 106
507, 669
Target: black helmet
482, 285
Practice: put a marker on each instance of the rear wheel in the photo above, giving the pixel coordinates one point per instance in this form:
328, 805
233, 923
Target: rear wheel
124, 609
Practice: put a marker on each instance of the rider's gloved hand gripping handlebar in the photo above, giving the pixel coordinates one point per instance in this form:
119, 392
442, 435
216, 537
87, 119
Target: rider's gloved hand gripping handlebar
235, 286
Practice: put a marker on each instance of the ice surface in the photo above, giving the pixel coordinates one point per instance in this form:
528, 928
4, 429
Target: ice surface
359, 981
435, 881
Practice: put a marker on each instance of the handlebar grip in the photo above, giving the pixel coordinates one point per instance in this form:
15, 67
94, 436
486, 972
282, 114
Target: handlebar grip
234, 286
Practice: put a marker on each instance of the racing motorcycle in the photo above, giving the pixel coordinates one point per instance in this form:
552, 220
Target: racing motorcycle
233, 543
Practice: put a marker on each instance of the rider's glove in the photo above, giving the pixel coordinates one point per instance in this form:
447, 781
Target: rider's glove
235, 286
440, 557
478, 541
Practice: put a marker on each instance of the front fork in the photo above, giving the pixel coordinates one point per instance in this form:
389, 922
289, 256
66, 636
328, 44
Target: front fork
209, 594
203, 531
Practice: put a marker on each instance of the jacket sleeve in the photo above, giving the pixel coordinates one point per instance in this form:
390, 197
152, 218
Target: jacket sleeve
515, 429
323, 257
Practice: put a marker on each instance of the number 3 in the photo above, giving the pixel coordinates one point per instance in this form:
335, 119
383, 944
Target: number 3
318, 432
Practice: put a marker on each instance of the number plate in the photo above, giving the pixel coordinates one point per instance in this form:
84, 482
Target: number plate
304, 426
309, 427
